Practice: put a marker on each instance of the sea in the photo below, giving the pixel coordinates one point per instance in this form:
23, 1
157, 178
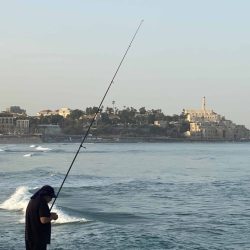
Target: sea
131, 195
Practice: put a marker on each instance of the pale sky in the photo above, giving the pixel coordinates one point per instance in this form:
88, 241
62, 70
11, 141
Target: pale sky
58, 53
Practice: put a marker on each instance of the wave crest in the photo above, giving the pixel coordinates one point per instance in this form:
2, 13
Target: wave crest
19, 200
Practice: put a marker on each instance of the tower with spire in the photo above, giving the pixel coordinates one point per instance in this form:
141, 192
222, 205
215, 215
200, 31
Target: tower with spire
203, 104
206, 124
203, 114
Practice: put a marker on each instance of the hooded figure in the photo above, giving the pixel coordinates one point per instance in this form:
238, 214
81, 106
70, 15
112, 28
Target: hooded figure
38, 219
45, 190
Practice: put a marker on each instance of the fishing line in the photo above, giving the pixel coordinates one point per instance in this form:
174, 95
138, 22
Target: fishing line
97, 111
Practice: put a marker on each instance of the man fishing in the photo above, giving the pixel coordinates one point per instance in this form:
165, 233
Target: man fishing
38, 219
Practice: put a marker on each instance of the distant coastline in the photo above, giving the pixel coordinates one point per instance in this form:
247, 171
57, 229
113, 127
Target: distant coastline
36, 139
13, 139
114, 125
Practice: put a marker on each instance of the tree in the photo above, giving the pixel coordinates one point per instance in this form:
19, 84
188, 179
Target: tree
91, 111
176, 118
184, 126
151, 118
76, 114
56, 119
109, 110
142, 111
105, 118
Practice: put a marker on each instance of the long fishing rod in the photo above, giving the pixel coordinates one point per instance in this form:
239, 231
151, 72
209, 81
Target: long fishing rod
97, 111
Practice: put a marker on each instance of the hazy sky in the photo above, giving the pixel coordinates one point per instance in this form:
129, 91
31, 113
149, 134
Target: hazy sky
58, 53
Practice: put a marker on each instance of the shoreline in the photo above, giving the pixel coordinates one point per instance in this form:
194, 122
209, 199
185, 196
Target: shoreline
36, 139
11, 139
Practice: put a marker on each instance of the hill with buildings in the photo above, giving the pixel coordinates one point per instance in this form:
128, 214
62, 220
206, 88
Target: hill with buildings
205, 124
112, 124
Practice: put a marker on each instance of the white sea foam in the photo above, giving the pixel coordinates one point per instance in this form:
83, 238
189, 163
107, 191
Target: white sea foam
18, 201
28, 155
64, 218
40, 148
33, 146
1, 150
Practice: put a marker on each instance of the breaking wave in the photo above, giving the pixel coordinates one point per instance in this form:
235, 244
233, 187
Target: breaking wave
18, 201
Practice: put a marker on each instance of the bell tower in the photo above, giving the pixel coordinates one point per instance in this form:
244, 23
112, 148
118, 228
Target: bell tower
203, 104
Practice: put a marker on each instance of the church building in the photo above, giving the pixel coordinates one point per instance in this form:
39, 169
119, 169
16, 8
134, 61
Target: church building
205, 124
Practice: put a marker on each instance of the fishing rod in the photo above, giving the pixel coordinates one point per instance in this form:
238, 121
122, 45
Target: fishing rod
97, 111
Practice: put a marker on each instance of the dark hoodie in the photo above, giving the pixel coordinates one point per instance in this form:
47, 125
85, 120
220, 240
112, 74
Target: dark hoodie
38, 234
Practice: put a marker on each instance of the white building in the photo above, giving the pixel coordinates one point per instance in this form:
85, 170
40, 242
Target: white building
46, 112
206, 124
203, 114
22, 126
6, 124
62, 111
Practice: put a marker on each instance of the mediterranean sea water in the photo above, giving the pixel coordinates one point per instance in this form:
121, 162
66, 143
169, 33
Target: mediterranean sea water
131, 195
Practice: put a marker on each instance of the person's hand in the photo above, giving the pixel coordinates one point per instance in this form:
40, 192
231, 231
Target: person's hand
53, 216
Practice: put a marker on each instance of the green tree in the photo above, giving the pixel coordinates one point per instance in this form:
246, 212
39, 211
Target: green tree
91, 110
151, 118
56, 119
142, 111
76, 114
105, 118
109, 110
